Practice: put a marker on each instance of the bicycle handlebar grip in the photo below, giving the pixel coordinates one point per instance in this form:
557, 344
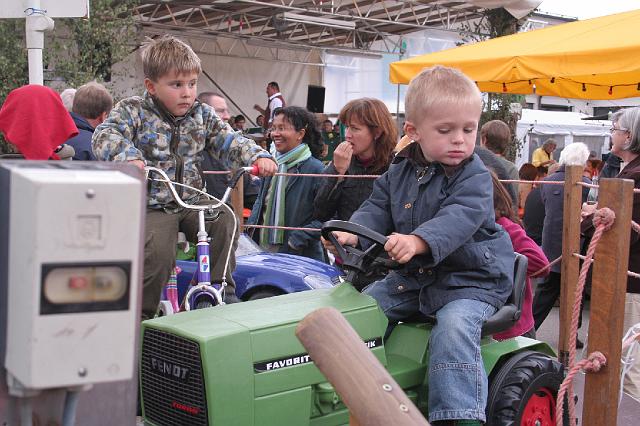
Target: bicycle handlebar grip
255, 170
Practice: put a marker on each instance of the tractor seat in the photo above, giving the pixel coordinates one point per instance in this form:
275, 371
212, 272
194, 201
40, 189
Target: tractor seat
507, 316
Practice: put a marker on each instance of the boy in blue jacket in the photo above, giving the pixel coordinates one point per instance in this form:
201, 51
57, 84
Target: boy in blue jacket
435, 203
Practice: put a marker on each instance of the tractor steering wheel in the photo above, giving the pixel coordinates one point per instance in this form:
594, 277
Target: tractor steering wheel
354, 259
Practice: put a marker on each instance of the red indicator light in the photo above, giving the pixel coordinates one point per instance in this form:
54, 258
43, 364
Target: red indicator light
78, 283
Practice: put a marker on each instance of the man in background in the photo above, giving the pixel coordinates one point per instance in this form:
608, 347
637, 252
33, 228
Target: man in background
275, 101
91, 106
216, 184
495, 135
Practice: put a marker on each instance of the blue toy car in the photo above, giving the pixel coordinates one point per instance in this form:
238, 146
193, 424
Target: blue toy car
261, 274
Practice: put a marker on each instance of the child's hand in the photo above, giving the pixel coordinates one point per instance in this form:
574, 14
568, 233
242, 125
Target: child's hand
402, 248
344, 238
138, 163
266, 166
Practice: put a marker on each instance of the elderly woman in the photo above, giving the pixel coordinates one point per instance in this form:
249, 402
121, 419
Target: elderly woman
625, 144
547, 292
288, 200
543, 156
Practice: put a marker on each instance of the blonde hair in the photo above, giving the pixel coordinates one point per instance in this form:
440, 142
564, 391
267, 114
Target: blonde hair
436, 86
167, 54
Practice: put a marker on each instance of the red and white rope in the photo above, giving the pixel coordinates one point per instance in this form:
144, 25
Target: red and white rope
603, 219
541, 270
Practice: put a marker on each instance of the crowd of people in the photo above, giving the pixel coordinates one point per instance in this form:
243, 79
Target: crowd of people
450, 222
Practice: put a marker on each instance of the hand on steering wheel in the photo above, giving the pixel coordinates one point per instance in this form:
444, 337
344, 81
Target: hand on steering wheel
353, 257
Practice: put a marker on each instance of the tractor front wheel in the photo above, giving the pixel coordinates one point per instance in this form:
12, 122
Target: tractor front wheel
203, 302
523, 391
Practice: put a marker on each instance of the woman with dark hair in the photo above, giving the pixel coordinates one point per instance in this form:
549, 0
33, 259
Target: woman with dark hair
288, 200
370, 137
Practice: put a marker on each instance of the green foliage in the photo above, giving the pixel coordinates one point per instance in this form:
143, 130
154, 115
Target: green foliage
85, 49
77, 51
14, 70
496, 23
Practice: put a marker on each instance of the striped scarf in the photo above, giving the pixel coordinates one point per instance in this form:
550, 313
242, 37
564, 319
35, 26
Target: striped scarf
275, 201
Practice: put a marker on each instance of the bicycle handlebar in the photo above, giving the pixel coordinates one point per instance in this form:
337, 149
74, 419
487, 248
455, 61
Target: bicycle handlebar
254, 170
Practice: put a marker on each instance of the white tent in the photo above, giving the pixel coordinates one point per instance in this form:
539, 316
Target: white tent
536, 126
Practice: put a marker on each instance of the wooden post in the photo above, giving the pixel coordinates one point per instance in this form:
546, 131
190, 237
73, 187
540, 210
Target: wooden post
367, 389
569, 268
608, 289
237, 201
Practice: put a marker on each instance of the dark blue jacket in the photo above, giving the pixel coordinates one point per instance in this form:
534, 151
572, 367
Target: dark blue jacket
553, 200
300, 193
82, 141
471, 257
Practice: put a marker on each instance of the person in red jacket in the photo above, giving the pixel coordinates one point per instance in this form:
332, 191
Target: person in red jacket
507, 218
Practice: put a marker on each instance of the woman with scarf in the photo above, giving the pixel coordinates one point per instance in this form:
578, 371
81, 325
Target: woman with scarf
288, 200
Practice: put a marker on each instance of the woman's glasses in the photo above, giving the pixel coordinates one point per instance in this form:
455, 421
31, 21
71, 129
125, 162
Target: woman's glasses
613, 129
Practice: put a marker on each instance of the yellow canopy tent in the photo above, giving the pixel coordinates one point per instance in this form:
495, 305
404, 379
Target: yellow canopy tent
593, 59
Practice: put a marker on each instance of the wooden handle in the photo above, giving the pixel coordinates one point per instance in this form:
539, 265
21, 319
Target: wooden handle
367, 389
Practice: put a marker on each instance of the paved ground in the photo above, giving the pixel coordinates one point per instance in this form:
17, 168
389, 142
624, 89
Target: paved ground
629, 410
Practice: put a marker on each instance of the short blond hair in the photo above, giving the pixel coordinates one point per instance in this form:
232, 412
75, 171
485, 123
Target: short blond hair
168, 54
436, 86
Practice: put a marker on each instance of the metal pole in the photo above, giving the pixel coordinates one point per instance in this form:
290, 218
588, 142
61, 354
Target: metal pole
36, 24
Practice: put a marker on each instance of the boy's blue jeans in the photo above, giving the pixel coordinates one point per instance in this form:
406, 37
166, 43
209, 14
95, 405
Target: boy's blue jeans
457, 380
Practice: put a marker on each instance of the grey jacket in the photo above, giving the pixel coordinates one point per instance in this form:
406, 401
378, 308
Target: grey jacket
471, 257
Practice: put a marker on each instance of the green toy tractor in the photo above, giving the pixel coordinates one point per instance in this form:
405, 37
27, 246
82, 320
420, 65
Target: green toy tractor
242, 364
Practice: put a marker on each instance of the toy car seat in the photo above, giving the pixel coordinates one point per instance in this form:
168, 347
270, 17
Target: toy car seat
509, 314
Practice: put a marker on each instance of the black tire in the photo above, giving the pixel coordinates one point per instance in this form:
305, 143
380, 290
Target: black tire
204, 302
526, 380
263, 294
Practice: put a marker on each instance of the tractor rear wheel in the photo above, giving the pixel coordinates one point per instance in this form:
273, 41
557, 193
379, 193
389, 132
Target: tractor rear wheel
524, 389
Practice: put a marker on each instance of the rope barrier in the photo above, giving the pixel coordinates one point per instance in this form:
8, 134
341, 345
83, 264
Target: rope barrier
588, 185
533, 182
324, 175
544, 268
593, 363
321, 175
289, 228
603, 219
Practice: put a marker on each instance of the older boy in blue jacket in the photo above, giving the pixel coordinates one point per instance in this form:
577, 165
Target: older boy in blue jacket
436, 205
